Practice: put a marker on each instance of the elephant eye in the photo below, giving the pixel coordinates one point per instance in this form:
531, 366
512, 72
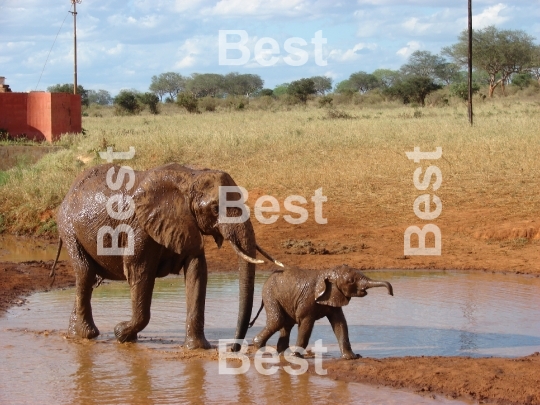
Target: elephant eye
215, 209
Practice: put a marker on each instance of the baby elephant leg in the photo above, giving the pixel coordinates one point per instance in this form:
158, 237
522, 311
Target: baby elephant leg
274, 322
339, 325
305, 327
284, 336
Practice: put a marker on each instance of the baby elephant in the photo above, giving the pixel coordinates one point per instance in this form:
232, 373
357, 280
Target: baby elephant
295, 296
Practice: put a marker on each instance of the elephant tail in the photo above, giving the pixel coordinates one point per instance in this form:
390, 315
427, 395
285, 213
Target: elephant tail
256, 316
52, 274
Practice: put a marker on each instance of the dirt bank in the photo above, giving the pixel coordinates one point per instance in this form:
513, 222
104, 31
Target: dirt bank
18, 280
486, 380
484, 238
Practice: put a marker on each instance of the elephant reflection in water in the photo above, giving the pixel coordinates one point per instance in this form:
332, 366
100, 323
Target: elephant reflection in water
101, 374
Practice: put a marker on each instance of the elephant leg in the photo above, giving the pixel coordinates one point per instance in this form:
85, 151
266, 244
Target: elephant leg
81, 322
305, 328
196, 277
284, 336
274, 321
339, 325
142, 287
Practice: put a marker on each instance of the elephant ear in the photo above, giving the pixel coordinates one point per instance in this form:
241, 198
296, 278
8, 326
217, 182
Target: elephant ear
327, 293
163, 211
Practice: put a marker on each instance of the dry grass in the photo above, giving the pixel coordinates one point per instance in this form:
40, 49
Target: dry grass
358, 162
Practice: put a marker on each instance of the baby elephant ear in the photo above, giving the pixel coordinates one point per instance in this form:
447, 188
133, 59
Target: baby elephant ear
327, 293
163, 212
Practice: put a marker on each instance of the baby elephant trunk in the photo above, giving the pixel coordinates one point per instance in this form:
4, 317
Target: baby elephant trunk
386, 284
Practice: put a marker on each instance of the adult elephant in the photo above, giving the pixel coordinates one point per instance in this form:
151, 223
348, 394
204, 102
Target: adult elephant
163, 214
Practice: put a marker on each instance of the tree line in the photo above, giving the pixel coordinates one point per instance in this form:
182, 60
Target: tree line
500, 57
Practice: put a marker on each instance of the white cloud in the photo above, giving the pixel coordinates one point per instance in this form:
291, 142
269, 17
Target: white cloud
409, 49
199, 50
147, 21
115, 50
352, 54
490, 16
259, 8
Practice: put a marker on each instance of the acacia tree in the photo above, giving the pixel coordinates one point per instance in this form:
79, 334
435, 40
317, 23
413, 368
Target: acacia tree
205, 84
363, 82
413, 88
426, 64
302, 89
535, 64
167, 83
322, 84
242, 84
100, 97
500, 53
387, 77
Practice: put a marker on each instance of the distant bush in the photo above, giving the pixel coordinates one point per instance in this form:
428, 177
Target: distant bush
522, 80
127, 103
189, 102
236, 102
302, 89
338, 114
325, 101
266, 92
461, 90
207, 103
151, 100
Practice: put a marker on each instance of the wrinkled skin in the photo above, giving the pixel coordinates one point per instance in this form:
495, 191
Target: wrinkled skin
295, 296
174, 207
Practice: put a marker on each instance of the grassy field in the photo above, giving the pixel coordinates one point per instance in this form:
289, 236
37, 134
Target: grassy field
358, 161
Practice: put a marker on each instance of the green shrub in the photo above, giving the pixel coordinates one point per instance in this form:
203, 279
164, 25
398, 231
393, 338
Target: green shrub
189, 102
127, 103
461, 90
522, 80
151, 100
266, 93
302, 89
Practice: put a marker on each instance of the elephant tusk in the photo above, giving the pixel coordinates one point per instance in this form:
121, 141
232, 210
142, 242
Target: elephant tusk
262, 252
244, 256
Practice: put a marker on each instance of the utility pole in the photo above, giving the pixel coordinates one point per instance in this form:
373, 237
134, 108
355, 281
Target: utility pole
74, 12
470, 56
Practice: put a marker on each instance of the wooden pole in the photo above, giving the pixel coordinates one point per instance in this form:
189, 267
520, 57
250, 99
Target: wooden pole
74, 12
470, 56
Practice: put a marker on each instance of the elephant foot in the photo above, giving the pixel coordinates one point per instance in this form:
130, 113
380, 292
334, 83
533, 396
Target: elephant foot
83, 329
258, 342
350, 356
125, 333
197, 343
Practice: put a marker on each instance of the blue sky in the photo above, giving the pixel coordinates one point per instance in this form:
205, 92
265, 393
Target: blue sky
122, 44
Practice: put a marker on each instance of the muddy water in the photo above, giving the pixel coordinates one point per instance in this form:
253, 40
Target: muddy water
19, 249
437, 313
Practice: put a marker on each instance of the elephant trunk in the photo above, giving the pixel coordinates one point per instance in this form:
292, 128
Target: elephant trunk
243, 236
371, 283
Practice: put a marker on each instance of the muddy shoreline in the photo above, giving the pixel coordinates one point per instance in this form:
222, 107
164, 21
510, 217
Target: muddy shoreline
486, 380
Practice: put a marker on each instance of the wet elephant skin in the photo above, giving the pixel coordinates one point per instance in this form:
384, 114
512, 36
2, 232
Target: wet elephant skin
174, 206
296, 296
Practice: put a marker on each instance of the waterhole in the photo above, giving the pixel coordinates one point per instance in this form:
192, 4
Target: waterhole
432, 313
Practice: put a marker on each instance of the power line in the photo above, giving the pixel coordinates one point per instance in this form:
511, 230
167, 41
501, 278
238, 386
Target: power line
50, 50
